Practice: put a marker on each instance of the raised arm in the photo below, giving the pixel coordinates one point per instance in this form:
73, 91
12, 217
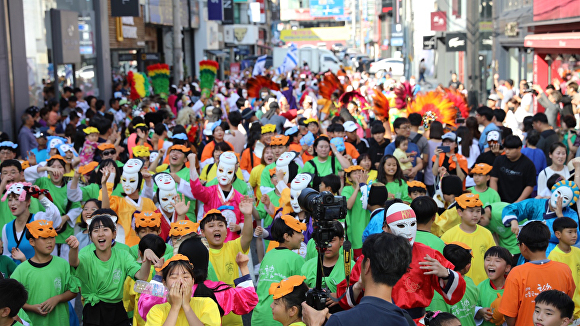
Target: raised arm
344, 162
247, 208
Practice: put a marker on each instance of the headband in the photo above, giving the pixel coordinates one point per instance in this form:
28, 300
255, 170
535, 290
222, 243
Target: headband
268, 128
398, 212
308, 121
293, 223
286, 286
140, 125
279, 140
41, 229
106, 146
469, 200
183, 227
177, 257
8, 144
416, 184
91, 130
353, 168
16, 188
141, 151
56, 157
215, 125
481, 168
147, 219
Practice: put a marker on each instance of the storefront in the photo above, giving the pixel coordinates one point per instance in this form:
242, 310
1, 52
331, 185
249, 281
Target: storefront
555, 56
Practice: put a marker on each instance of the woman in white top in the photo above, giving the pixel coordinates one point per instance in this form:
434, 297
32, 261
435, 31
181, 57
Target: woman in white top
469, 148
558, 156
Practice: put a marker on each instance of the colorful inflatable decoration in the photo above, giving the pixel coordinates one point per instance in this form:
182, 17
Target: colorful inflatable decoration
256, 84
159, 74
459, 101
405, 93
436, 103
207, 74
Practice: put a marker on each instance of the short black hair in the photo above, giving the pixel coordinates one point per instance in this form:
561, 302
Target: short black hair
399, 140
235, 118
153, 242
457, 255
113, 101
400, 121
296, 297
337, 229
559, 300
416, 119
160, 128
425, 209
540, 117
512, 142
485, 112
9, 163
569, 120
279, 229
533, 137
332, 181
564, 222
389, 257
377, 128
13, 295
67, 89
212, 217
337, 127
555, 146
553, 179
500, 252
535, 235
499, 115
101, 219
438, 318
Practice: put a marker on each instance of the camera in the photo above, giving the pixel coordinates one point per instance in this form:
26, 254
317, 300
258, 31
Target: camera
324, 209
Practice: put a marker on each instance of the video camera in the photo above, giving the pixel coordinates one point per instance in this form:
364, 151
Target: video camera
324, 209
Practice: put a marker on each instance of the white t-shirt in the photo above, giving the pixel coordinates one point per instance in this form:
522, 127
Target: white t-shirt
543, 177
527, 100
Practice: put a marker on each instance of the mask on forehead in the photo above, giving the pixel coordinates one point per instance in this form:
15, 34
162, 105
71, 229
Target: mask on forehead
493, 136
130, 176
16, 188
567, 190
283, 162
402, 221
153, 156
166, 187
226, 168
55, 141
300, 182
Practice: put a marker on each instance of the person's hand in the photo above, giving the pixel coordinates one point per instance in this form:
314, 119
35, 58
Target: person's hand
141, 134
484, 313
150, 256
72, 242
161, 153
265, 200
558, 207
538, 88
313, 317
391, 196
191, 157
433, 267
246, 205
454, 158
329, 302
32, 158
175, 297
280, 175
55, 174
348, 157
48, 305
242, 260
186, 290
159, 265
17, 254
305, 148
495, 148
146, 175
259, 230
37, 309
333, 147
515, 227
442, 171
556, 83
62, 224
233, 227
105, 177
181, 205
437, 152
363, 177
576, 164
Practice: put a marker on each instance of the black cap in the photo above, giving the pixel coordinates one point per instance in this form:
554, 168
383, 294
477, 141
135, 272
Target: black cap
248, 113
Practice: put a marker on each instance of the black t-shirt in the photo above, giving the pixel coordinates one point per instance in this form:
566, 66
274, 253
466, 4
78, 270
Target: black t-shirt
376, 151
487, 158
513, 177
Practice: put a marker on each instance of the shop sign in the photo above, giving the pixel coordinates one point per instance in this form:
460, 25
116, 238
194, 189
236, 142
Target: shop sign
456, 42
125, 8
129, 31
65, 36
511, 29
439, 21
429, 42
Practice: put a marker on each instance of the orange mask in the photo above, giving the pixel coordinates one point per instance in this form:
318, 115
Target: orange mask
416, 184
286, 286
481, 168
41, 229
183, 227
147, 219
182, 148
174, 258
212, 211
105, 146
294, 224
469, 200
88, 168
279, 140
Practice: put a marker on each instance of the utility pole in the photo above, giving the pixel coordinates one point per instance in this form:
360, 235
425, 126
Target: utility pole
177, 49
353, 19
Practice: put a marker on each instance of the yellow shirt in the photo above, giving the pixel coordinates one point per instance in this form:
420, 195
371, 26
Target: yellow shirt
131, 298
400, 155
256, 179
204, 308
224, 261
448, 219
572, 259
125, 207
372, 176
479, 241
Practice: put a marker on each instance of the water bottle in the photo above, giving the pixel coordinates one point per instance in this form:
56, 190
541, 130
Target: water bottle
154, 289
250, 192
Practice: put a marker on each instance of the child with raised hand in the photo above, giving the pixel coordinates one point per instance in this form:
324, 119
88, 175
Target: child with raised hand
481, 175
364, 160
288, 296
565, 230
181, 309
553, 308
357, 218
278, 264
416, 189
498, 261
473, 235
391, 174
439, 318
491, 219
13, 297
102, 273
48, 278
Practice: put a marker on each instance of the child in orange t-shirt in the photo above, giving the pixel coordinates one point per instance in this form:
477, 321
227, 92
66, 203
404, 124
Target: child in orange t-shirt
526, 281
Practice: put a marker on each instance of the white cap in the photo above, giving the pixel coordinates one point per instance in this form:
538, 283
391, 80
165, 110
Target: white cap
450, 135
350, 126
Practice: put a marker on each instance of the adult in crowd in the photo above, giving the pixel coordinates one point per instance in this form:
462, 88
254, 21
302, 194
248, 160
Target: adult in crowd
402, 127
469, 148
415, 137
435, 135
26, 138
547, 134
449, 162
550, 103
484, 117
506, 92
361, 144
558, 166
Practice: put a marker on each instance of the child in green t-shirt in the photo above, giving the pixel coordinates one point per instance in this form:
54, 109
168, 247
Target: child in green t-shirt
288, 297
357, 217
416, 189
391, 174
498, 262
148, 223
48, 279
459, 254
480, 174
13, 296
7, 265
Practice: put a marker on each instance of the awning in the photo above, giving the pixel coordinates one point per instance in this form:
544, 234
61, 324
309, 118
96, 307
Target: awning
553, 41
218, 53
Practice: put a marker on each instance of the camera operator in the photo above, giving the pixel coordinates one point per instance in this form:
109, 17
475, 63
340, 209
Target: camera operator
385, 259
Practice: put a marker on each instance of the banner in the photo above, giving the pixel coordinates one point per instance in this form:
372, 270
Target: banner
326, 8
215, 10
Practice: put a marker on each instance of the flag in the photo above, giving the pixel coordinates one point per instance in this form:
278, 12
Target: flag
260, 66
290, 61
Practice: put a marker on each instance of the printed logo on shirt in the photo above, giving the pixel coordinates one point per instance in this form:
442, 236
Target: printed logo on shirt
507, 171
411, 286
116, 276
540, 288
482, 249
230, 268
58, 285
501, 229
577, 269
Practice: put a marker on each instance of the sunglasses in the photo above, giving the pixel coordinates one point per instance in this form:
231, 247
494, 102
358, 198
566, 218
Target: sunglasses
105, 153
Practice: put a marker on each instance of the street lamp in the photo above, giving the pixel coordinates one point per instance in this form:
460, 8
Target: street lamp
548, 59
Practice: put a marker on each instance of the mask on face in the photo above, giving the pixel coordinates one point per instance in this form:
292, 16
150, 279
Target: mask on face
153, 157
569, 192
130, 176
16, 188
300, 182
283, 162
244, 93
226, 168
263, 95
402, 221
166, 188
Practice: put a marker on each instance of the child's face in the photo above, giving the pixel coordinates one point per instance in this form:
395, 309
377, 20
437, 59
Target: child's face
102, 237
42, 245
366, 164
279, 311
340, 134
266, 138
94, 137
495, 267
179, 275
88, 210
216, 155
16, 206
69, 155
379, 138
313, 128
449, 198
278, 150
480, 179
53, 152
268, 155
334, 248
485, 217
218, 133
322, 187
470, 216
548, 315
215, 232
416, 194
294, 241
177, 157
147, 230
355, 176
567, 236
391, 166
404, 145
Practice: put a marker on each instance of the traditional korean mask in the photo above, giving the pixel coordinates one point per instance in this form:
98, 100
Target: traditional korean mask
167, 191
300, 182
226, 168
402, 221
569, 192
130, 176
55, 141
153, 156
16, 188
283, 162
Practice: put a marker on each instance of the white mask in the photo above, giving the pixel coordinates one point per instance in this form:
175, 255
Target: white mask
402, 221
300, 182
283, 162
167, 191
565, 193
244, 93
153, 156
130, 176
226, 168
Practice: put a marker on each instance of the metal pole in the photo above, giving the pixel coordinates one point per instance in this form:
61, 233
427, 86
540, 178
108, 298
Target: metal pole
353, 19
177, 48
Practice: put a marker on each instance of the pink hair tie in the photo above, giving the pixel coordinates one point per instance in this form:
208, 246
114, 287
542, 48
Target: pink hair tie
435, 314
